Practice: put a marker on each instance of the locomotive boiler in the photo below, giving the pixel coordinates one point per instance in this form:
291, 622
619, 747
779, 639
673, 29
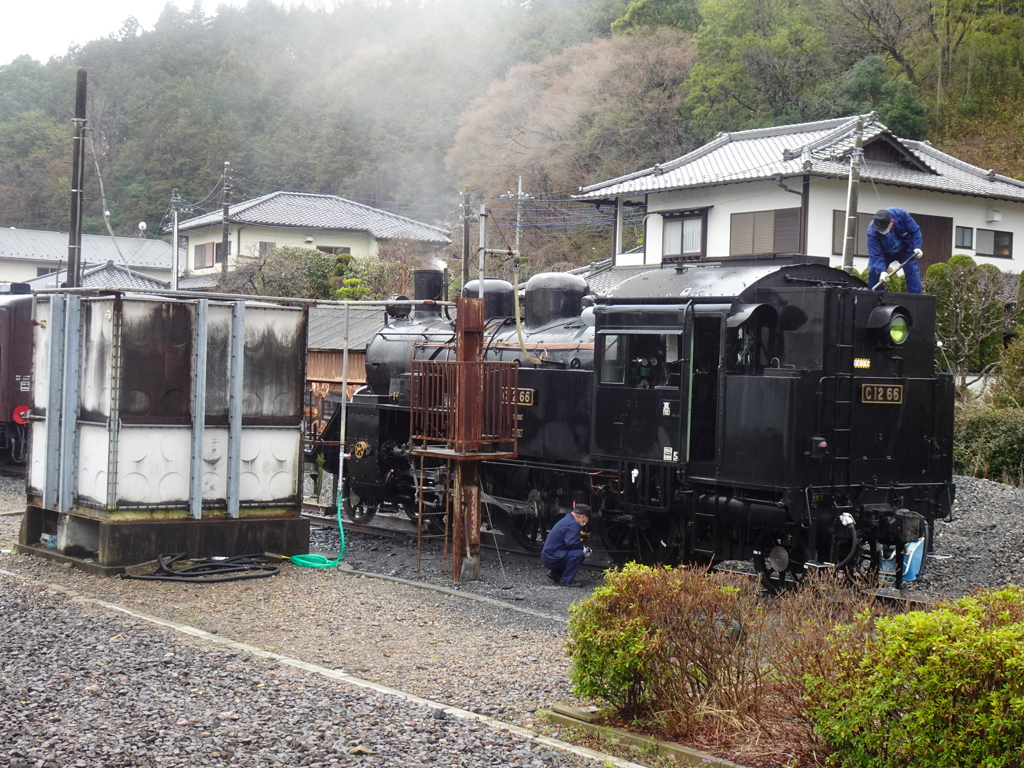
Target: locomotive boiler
767, 408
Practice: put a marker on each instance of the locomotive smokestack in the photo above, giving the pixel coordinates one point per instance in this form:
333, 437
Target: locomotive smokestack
428, 285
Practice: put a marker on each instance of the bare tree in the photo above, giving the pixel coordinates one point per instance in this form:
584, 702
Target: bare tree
887, 26
970, 314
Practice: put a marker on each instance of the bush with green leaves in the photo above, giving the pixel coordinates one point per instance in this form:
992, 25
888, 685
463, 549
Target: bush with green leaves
670, 647
988, 442
927, 689
1008, 391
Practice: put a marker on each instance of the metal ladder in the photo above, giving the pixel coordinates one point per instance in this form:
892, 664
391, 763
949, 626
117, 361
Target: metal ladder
845, 390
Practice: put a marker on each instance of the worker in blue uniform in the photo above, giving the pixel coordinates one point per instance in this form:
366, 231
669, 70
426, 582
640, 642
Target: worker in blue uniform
563, 550
893, 235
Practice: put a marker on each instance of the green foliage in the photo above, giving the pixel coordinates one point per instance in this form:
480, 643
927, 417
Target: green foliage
989, 442
668, 645
684, 14
286, 271
1008, 391
920, 690
970, 315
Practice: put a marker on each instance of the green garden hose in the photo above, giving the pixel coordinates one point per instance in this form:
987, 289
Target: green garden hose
319, 561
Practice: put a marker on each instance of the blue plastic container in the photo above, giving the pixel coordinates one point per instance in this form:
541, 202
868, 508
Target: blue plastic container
913, 556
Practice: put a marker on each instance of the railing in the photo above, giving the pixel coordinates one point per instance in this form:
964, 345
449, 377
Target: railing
466, 409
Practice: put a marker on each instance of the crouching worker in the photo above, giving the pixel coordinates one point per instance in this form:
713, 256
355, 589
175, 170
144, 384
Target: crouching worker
563, 550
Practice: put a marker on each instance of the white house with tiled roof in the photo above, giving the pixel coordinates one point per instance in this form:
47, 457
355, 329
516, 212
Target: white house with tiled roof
326, 222
28, 253
784, 190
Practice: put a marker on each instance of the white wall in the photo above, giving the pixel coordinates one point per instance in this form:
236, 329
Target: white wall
360, 243
827, 195
20, 271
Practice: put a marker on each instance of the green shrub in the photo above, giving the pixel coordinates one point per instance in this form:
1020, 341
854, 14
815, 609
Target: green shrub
669, 646
989, 442
927, 690
1008, 391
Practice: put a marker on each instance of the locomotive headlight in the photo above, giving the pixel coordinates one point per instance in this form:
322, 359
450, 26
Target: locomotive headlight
899, 329
889, 326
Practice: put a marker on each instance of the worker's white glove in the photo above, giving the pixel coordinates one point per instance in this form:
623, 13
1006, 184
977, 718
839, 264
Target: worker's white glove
918, 253
884, 278
587, 551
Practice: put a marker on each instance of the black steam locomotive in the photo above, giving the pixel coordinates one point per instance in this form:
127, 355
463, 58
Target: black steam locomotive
768, 408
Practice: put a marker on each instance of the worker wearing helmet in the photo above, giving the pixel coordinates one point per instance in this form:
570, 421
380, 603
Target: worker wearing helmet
893, 235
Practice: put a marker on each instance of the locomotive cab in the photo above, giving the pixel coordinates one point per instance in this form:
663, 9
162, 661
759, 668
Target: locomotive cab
808, 420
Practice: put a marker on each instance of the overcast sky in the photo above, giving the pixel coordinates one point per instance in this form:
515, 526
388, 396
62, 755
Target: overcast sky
45, 28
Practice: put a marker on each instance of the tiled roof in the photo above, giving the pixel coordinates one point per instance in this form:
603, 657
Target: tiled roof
108, 275
197, 282
299, 209
326, 328
820, 149
36, 245
601, 276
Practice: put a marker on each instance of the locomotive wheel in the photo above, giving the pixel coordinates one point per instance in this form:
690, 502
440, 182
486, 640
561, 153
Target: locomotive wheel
647, 539
779, 566
530, 532
361, 512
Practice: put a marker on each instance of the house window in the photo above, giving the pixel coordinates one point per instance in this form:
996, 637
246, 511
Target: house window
683, 235
40, 271
776, 231
334, 251
964, 237
266, 248
203, 256
839, 233
220, 251
994, 243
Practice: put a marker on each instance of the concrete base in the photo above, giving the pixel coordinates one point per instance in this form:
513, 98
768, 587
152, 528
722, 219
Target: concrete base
110, 546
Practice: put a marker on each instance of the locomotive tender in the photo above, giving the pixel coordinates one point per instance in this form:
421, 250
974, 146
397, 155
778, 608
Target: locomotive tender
768, 408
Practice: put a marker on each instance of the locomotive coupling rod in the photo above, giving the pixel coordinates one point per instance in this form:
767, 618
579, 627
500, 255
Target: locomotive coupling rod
893, 272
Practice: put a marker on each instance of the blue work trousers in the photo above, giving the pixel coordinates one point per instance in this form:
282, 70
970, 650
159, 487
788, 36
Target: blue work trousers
567, 565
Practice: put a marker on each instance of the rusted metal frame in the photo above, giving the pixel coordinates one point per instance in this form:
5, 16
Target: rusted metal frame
437, 384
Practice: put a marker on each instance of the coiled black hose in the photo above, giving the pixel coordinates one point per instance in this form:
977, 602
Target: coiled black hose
847, 520
210, 570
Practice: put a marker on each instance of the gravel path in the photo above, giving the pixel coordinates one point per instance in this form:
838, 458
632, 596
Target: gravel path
81, 686
92, 681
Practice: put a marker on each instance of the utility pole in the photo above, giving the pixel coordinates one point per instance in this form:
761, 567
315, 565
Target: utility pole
175, 200
520, 197
852, 195
225, 237
77, 182
465, 235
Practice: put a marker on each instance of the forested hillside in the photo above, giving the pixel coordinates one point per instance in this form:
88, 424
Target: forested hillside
400, 103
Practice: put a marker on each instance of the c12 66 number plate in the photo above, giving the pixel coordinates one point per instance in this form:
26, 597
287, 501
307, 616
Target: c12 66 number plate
882, 394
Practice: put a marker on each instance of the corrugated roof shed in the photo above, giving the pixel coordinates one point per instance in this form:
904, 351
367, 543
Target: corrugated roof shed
326, 328
36, 245
821, 148
300, 209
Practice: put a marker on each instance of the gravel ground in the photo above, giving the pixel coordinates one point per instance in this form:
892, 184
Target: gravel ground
82, 686
481, 655
477, 655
